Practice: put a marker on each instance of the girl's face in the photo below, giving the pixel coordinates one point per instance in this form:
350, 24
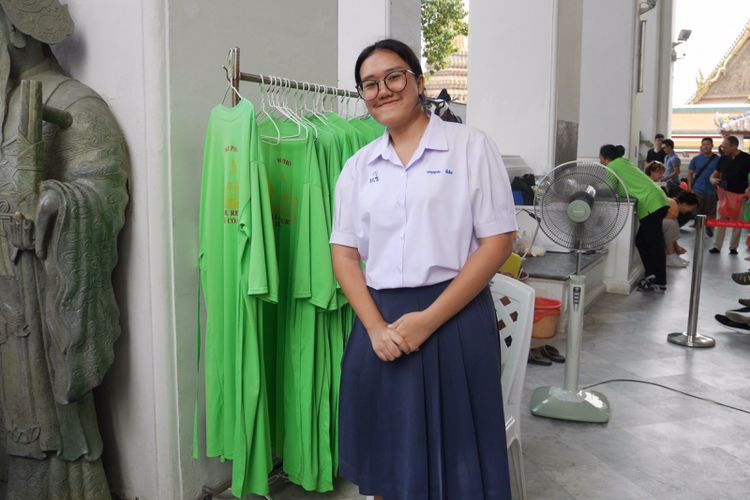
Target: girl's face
392, 109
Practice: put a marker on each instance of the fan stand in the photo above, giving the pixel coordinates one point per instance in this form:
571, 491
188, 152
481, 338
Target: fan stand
568, 402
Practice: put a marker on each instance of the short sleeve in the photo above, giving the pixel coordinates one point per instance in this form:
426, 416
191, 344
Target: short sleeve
492, 208
343, 216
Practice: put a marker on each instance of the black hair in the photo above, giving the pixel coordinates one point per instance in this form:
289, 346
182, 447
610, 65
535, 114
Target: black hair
659, 136
687, 198
669, 142
733, 140
397, 47
611, 152
709, 139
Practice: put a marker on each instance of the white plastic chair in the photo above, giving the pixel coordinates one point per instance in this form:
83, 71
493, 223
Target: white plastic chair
514, 305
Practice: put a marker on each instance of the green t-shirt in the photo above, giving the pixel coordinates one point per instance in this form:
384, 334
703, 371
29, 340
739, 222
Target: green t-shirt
648, 195
238, 270
368, 127
308, 284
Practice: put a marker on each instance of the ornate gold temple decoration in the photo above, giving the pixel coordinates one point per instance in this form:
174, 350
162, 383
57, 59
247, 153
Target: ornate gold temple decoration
703, 85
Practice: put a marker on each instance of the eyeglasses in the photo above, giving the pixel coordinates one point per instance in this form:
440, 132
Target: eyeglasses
395, 81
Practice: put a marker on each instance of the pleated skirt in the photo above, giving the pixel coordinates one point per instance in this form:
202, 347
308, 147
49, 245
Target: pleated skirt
430, 425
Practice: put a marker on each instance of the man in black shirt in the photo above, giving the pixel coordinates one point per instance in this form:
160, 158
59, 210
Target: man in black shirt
656, 153
731, 175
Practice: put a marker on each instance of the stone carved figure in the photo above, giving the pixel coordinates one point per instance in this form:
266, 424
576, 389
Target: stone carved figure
62, 202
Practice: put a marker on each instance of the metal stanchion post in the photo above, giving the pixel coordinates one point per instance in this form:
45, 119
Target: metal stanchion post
691, 338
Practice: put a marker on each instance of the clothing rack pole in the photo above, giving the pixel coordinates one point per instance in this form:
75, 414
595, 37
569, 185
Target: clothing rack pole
237, 76
250, 77
234, 54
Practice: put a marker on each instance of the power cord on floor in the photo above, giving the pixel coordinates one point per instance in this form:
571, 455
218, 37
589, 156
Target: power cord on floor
666, 387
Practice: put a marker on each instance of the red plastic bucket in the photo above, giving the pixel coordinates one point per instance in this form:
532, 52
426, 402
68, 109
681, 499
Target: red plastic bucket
546, 314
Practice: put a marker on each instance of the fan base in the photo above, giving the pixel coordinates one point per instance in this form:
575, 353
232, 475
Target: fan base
580, 406
683, 339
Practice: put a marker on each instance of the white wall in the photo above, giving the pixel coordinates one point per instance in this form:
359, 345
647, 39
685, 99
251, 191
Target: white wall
649, 96
568, 80
107, 53
512, 76
157, 65
360, 26
357, 31
287, 38
607, 77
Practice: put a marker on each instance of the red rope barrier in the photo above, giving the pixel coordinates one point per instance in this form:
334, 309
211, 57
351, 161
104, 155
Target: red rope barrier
728, 223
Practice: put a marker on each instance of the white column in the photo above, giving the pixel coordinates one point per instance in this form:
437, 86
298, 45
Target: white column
664, 79
361, 24
568, 80
118, 49
608, 87
359, 27
512, 76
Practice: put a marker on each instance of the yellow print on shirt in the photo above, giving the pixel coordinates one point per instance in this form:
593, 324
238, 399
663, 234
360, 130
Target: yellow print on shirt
231, 196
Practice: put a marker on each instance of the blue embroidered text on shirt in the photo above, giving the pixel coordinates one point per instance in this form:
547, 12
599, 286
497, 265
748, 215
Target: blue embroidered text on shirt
434, 171
449, 171
374, 177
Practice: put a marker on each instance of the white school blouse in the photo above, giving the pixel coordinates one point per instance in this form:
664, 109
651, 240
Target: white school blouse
416, 225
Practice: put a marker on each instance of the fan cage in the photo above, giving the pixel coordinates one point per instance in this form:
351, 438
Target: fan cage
610, 210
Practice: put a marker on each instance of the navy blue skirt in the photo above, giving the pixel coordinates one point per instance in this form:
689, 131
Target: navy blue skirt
430, 425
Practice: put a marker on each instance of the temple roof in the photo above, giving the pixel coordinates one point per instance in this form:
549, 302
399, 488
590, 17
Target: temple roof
730, 80
454, 77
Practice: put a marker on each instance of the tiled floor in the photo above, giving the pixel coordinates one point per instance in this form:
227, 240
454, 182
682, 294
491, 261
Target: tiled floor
658, 444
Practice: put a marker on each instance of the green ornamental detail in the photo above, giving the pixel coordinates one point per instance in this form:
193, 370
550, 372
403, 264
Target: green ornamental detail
442, 22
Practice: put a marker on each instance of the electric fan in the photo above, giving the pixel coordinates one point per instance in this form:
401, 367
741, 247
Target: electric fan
582, 206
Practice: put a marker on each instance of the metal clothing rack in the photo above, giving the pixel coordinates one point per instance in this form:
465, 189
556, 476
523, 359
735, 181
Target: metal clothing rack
237, 76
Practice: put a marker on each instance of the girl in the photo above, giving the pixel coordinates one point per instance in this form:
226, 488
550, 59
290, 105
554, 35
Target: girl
429, 210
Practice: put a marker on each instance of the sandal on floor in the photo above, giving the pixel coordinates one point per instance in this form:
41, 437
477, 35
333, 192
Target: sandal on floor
536, 357
732, 324
738, 317
551, 352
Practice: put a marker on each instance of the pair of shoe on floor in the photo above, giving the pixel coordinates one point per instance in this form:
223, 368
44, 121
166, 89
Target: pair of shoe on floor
741, 278
545, 355
648, 284
675, 260
736, 318
732, 251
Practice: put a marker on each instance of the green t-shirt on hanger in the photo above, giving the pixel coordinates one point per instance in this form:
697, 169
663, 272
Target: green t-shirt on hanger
238, 271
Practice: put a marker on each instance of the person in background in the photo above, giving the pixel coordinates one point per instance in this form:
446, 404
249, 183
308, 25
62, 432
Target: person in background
672, 172
699, 180
684, 203
651, 208
657, 152
655, 171
428, 208
731, 175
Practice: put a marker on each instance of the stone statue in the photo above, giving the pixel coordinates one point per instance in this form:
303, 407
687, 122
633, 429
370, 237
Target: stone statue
62, 203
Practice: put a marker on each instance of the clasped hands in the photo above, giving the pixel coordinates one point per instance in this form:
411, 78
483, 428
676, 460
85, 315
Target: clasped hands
405, 336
